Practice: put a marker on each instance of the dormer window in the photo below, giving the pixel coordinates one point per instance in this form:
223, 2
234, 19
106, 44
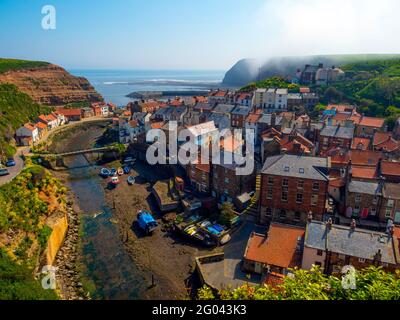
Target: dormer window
287, 169
301, 170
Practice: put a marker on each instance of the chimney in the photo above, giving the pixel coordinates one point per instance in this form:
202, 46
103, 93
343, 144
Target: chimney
329, 224
273, 119
353, 224
310, 217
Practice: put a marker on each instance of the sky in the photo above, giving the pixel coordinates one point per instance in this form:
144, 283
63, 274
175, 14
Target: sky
194, 34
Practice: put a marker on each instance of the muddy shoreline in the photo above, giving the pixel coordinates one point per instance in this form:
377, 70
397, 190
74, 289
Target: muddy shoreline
165, 264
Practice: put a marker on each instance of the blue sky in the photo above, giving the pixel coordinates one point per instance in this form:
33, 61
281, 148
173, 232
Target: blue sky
194, 34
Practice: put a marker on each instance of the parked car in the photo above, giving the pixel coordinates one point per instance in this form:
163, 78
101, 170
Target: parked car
4, 172
10, 162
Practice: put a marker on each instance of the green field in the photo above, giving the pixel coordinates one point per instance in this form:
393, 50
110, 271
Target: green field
14, 64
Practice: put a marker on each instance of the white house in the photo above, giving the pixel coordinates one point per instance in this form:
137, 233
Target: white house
27, 134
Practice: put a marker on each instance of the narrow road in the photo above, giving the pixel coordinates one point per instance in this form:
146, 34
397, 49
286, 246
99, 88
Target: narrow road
19, 165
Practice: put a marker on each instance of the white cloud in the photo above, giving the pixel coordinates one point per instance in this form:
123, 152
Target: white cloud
302, 27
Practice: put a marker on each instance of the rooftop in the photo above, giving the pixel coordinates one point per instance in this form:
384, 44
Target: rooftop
363, 187
279, 248
338, 132
372, 122
297, 166
358, 243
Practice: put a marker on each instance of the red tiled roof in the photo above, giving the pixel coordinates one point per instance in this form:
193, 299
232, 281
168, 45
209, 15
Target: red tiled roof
70, 112
340, 107
278, 249
253, 117
365, 157
380, 137
218, 93
341, 117
274, 279
360, 142
157, 125
390, 168
337, 183
41, 125
29, 126
372, 122
364, 172
305, 90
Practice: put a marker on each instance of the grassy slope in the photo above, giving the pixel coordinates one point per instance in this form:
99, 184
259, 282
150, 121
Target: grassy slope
14, 64
16, 108
25, 204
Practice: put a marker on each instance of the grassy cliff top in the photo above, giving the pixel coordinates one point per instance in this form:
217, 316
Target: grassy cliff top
15, 64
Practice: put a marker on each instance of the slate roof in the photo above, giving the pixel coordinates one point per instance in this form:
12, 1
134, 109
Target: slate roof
358, 243
241, 110
266, 118
363, 187
297, 166
223, 108
338, 132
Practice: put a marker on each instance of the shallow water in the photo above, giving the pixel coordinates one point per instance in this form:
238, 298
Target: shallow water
107, 262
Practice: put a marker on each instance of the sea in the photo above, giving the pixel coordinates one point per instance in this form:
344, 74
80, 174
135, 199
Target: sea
114, 85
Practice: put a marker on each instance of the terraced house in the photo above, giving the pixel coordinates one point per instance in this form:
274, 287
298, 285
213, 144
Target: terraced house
292, 187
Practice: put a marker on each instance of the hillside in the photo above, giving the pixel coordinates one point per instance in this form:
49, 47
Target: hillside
26, 205
47, 83
16, 108
251, 70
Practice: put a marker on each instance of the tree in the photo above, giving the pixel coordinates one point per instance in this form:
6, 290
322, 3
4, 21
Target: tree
227, 213
371, 284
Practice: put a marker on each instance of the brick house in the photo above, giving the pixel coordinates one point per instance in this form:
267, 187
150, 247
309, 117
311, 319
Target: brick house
292, 186
335, 136
334, 246
364, 199
71, 114
200, 177
391, 202
367, 126
390, 171
278, 251
238, 116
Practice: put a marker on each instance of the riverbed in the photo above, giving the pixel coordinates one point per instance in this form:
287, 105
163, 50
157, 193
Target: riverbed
117, 260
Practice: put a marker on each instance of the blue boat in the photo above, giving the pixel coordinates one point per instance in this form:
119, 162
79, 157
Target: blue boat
104, 172
113, 172
146, 222
127, 169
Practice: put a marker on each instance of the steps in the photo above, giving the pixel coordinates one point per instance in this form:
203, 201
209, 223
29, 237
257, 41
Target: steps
253, 209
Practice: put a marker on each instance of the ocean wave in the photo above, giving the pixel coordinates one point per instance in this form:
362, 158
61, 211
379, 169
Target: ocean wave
115, 82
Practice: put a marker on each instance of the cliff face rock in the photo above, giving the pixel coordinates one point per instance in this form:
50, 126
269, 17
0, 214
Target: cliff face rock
250, 70
51, 85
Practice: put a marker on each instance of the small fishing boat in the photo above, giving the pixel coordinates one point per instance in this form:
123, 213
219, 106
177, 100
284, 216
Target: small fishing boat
127, 169
114, 181
104, 172
131, 180
113, 172
120, 171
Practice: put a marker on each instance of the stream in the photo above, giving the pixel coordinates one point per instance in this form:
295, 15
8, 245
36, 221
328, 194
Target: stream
107, 264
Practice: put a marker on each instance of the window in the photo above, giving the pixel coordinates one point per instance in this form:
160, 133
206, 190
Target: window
320, 253
282, 214
373, 211
390, 203
357, 209
284, 196
271, 181
299, 198
388, 213
297, 216
301, 170
375, 200
362, 260
285, 182
314, 200
269, 193
315, 186
358, 198
300, 184
268, 212
287, 169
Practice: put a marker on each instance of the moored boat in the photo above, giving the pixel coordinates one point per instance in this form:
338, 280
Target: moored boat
114, 181
120, 171
113, 171
104, 172
131, 180
127, 169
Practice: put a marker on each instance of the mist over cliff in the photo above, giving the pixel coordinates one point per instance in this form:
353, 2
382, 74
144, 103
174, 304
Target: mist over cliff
250, 70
